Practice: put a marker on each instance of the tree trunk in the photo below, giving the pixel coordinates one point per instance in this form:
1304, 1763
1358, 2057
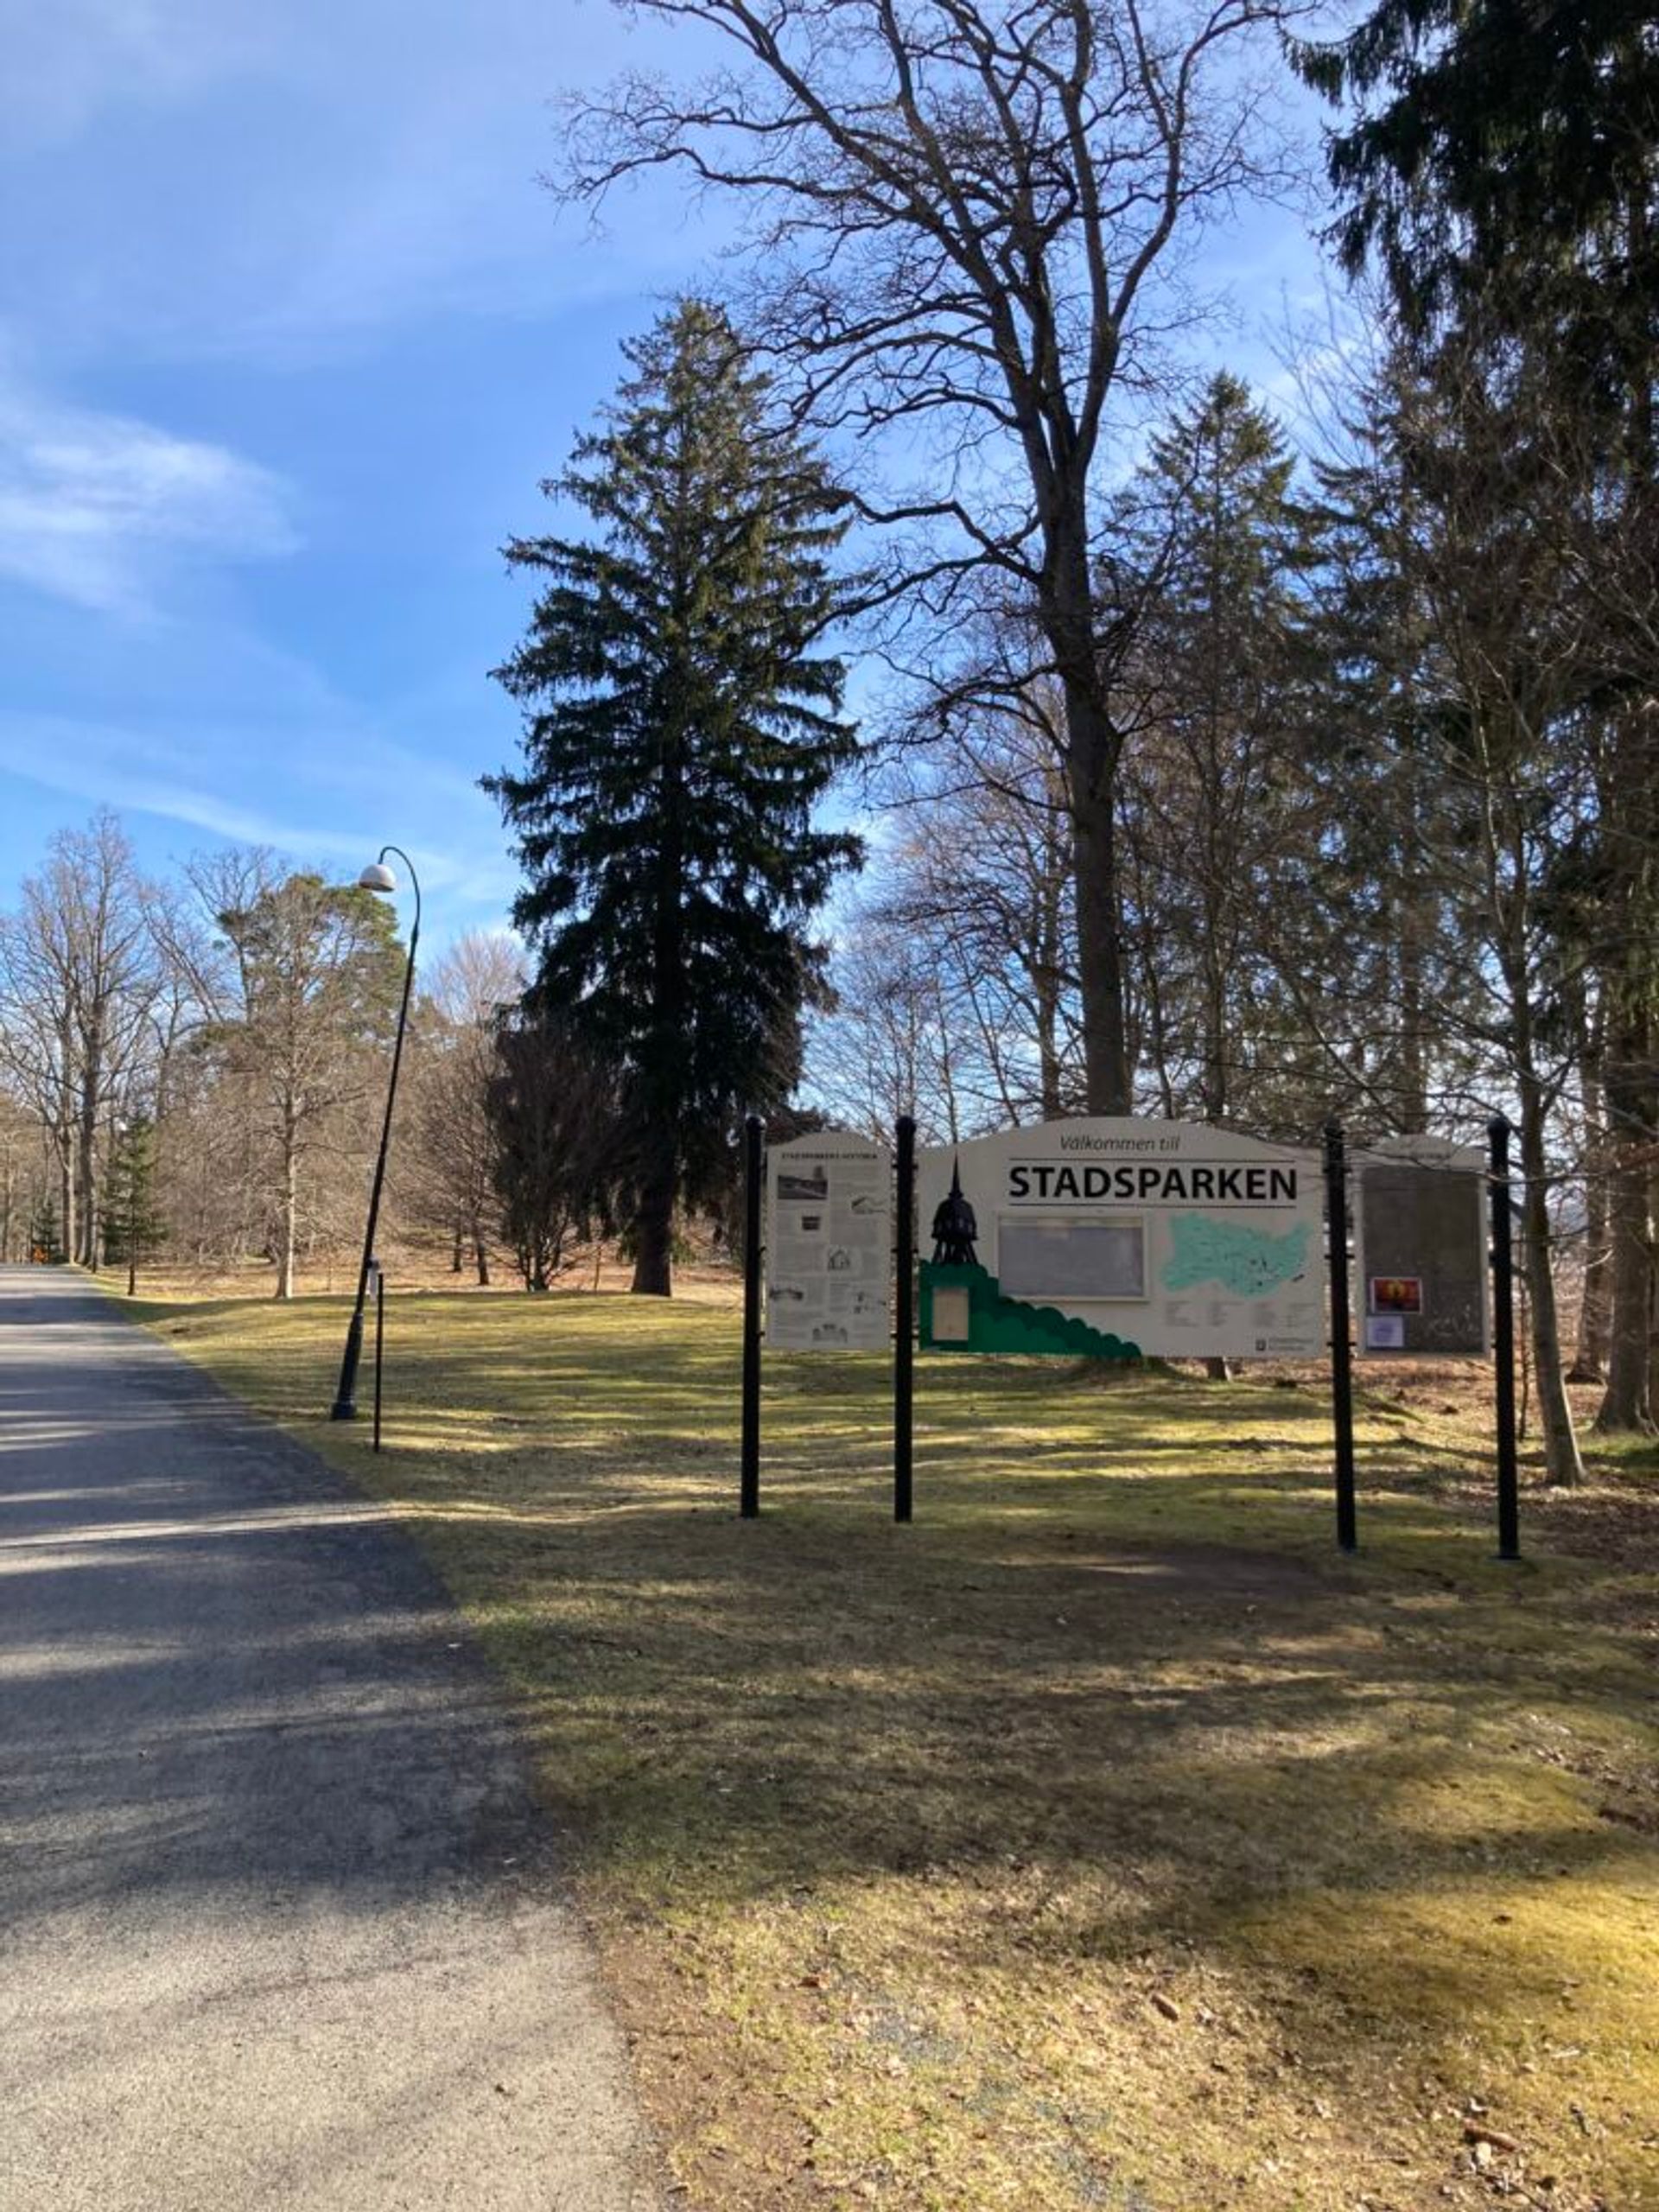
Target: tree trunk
65, 1140
660, 1097
1596, 1298
1625, 1404
87, 1163
1048, 1056
1091, 757
287, 1225
654, 1222
1562, 1464
1418, 925
482, 1259
66, 1186
1046, 979
1595, 1304
1100, 953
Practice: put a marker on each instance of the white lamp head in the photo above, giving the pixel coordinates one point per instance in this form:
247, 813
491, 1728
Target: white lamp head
377, 877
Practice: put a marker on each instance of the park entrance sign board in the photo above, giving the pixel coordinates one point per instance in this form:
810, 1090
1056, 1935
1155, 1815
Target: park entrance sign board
828, 1240
1122, 1237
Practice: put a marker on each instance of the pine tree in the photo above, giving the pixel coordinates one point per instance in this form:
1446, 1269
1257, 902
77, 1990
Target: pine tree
45, 1238
680, 721
134, 1225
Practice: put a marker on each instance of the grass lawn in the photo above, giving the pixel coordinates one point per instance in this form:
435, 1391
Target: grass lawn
1104, 1839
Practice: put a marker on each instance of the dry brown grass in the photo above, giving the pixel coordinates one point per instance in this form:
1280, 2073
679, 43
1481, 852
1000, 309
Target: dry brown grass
1103, 1840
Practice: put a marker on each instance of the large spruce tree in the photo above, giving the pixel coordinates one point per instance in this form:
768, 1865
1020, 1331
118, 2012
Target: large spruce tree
682, 720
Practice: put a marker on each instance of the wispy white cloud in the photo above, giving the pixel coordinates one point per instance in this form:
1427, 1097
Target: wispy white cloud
69, 63
109, 764
98, 509
199, 779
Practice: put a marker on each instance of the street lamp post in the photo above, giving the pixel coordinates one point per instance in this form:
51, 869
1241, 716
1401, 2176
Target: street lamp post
378, 877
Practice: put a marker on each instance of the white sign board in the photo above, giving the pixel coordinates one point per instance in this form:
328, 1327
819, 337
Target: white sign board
1168, 1238
828, 1244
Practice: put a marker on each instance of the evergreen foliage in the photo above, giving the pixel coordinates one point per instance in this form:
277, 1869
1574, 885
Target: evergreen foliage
1218, 815
682, 720
45, 1238
1504, 152
1500, 164
133, 1222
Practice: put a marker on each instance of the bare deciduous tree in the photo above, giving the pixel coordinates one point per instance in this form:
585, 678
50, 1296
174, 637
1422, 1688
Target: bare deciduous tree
304, 980
78, 978
978, 893
558, 1144
960, 216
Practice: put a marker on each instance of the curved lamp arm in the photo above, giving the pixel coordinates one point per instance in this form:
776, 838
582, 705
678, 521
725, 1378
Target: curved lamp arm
415, 883
380, 878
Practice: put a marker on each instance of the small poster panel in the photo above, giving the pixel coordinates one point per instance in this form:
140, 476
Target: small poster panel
828, 1244
1420, 1245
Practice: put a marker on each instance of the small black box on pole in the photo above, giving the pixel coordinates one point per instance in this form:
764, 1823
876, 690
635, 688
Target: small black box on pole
1342, 1362
1508, 1491
904, 1317
753, 1154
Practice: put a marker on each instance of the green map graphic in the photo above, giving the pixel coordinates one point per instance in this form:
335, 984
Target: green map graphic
1247, 1261
1008, 1325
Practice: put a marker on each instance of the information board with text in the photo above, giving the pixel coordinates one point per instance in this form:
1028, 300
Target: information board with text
1119, 1237
828, 1244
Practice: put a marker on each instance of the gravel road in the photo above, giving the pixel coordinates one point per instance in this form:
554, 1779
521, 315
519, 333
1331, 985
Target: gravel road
280, 1923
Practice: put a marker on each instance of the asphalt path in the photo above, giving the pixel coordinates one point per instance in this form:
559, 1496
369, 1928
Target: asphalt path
281, 1924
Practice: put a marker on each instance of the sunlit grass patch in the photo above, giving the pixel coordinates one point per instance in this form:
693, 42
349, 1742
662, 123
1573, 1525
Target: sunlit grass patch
1104, 1838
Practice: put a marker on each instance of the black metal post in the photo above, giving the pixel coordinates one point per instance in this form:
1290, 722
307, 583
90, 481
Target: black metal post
1342, 1366
379, 1344
1509, 1488
344, 1405
754, 1155
903, 1337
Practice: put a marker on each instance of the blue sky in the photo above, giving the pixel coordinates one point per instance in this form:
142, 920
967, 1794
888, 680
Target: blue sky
287, 335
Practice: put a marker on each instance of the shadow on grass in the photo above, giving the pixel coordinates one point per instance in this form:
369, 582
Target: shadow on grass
1114, 1696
